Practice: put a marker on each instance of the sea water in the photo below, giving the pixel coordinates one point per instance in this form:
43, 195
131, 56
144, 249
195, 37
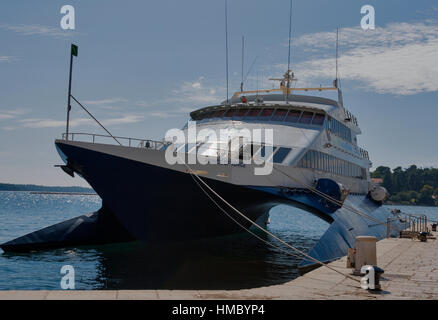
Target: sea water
232, 262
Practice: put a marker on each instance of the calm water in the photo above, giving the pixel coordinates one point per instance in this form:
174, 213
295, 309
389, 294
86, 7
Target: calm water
230, 262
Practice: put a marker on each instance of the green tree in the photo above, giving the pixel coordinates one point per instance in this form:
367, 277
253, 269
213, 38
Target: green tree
387, 182
380, 172
426, 196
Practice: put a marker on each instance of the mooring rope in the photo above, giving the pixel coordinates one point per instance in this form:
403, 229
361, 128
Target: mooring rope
266, 231
242, 226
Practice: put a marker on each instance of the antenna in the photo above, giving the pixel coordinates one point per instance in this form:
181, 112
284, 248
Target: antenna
337, 48
226, 44
290, 35
288, 56
337, 81
250, 68
257, 83
243, 61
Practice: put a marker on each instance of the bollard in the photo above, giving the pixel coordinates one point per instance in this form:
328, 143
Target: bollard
423, 236
371, 280
365, 253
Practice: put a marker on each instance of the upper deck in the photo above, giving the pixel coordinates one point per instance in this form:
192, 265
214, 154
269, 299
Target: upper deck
275, 106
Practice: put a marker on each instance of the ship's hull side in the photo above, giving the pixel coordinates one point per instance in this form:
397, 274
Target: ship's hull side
159, 204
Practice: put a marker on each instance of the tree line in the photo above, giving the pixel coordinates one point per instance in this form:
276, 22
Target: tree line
414, 186
32, 187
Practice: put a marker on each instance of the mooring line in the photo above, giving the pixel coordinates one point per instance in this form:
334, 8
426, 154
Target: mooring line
266, 231
242, 226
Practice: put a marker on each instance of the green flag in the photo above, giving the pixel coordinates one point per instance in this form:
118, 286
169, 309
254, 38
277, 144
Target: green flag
74, 50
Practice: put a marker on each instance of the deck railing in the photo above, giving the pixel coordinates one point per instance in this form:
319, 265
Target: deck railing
107, 139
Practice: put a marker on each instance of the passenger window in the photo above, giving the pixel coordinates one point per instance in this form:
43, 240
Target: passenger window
264, 150
279, 115
206, 117
240, 113
253, 113
219, 114
266, 113
293, 116
318, 119
229, 113
306, 117
255, 149
281, 154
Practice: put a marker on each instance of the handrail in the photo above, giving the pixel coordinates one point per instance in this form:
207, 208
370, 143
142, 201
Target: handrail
283, 89
143, 143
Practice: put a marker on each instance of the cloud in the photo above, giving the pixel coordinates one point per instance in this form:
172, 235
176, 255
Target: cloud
196, 92
123, 120
394, 34
143, 103
51, 123
29, 30
105, 101
6, 58
9, 128
12, 114
161, 114
400, 58
4, 116
109, 103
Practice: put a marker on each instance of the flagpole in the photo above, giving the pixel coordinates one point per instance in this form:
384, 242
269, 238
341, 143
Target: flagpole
75, 49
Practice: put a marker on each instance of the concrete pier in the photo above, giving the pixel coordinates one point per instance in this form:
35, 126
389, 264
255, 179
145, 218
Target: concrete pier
411, 272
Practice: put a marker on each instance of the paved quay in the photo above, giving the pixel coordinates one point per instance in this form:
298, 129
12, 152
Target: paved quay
411, 272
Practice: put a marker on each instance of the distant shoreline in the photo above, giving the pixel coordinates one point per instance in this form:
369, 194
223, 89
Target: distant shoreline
62, 193
45, 189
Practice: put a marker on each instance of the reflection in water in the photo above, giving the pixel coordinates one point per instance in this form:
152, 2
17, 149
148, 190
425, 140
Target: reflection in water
233, 262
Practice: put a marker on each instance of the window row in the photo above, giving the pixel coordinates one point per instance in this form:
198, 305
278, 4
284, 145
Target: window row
266, 114
246, 152
328, 163
338, 129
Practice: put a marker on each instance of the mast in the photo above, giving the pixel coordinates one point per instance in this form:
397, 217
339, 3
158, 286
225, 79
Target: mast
73, 52
243, 60
226, 45
288, 56
337, 46
337, 82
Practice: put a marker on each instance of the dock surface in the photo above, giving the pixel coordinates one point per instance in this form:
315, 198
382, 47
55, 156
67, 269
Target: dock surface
411, 272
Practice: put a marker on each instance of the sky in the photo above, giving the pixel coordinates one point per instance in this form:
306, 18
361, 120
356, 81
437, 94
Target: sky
144, 65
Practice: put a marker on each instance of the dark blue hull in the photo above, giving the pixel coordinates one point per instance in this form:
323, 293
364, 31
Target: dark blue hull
157, 204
